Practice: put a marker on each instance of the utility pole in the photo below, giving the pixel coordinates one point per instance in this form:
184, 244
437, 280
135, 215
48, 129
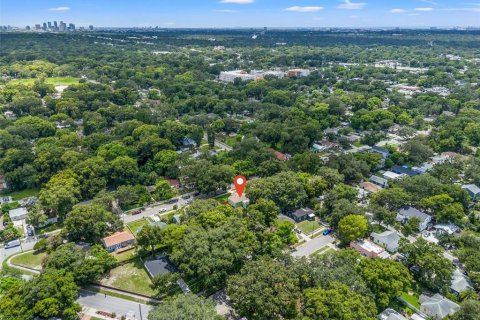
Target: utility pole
140, 309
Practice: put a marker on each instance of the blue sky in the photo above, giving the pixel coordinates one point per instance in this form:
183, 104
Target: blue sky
244, 13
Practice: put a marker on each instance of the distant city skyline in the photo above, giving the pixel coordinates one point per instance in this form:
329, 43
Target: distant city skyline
244, 13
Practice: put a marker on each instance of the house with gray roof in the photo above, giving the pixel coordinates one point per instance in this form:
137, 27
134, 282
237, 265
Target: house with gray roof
407, 213
437, 306
388, 239
473, 191
390, 314
381, 182
460, 282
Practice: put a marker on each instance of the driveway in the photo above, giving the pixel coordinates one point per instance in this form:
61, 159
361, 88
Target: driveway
121, 307
313, 245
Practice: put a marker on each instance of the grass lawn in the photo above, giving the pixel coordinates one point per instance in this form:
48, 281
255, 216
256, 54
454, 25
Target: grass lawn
57, 81
323, 250
222, 198
413, 300
231, 141
124, 256
113, 294
29, 259
308, 227
136, 225
130, 277
17, 195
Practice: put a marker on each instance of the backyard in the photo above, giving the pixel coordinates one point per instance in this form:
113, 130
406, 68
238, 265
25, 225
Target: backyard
29, 260
17, 195
413, 300
130, 277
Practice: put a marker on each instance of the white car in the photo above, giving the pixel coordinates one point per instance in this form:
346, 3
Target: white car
162, 210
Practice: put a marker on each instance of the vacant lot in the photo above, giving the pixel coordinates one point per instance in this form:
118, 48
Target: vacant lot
130, 277
136, 225
308, 227
29, 260
57, 81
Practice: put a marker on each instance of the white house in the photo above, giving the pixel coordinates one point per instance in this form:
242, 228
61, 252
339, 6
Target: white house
389, 239
18, 214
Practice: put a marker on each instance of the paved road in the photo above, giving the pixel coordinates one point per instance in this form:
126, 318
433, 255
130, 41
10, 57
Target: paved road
313, 245
26, 245
155, 209
121, 307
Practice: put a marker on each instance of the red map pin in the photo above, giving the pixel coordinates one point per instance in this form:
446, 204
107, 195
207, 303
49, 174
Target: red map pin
240, 182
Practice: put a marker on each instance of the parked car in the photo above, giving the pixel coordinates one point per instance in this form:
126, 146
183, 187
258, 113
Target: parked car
327, 232
162, 210
134, 212
186, 196
12, 244
172, 201
43, 236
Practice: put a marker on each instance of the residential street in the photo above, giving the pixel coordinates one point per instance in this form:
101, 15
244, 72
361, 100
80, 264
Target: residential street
121, 307
313, 245
26, 245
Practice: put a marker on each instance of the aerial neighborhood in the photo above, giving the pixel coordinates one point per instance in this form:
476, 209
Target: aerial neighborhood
152, 173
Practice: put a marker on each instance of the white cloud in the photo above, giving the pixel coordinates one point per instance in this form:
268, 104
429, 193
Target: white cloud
59, 9
348, 5
303, 9
423, 9
398, 10
226, 11
430, 2
238, 1
413, 14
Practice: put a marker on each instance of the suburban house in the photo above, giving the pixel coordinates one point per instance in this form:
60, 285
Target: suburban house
381, 182
118, 240
445, 228
369, 249
407, 213
390, 175
174, 183
403, 170
382, 151
162, 265
473, 191
389, 239
280, 156
459, 282
236, 201
302, 214
159, 265
390, 314
18, 214
437, 306
369, 187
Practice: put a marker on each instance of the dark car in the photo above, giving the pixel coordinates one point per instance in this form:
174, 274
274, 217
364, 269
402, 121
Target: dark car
327, 232
172, 201
134, 212
186, 196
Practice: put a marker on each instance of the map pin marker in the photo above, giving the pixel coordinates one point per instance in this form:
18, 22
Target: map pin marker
240, 182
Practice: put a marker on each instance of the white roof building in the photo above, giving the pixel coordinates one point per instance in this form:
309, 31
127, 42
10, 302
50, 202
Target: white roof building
437, 306
18, 214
